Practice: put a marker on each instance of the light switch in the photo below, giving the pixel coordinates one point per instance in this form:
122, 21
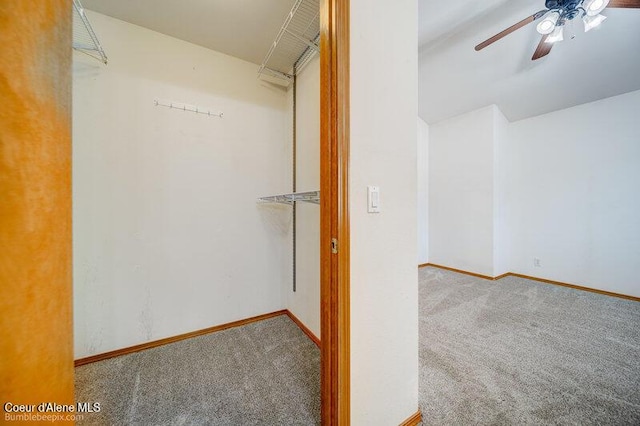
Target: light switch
373, 199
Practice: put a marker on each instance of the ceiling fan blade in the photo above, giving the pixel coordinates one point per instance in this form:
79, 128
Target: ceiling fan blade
511, 29
629, 4
543, 48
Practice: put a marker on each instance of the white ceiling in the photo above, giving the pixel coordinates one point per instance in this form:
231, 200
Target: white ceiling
241, 28
453, 77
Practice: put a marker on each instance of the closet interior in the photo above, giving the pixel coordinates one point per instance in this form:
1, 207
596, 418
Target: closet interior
196, 182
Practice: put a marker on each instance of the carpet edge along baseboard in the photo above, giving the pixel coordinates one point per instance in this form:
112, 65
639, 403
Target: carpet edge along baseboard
173, 339
542, 280
303, 327
413, 420
460, 271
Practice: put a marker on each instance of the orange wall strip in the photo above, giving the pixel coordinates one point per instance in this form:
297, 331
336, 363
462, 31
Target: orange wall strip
36, 332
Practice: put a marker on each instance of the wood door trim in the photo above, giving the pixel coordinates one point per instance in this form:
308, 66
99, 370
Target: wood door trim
334, 211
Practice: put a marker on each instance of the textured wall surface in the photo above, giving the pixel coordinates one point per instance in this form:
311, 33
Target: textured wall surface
383, 152
461, 191
423, 191
572, 195
36, 346
168, 235
558, 190
305, 301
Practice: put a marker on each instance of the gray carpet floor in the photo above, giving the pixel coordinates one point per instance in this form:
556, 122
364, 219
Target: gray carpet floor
515, 351
505, 352
264, 373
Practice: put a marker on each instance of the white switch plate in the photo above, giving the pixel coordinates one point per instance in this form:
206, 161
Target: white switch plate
373, 199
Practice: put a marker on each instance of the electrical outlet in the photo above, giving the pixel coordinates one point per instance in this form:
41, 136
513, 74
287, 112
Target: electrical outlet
536, 262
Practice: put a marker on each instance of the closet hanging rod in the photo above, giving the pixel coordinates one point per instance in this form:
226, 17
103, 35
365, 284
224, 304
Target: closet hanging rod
185, 107
274, 73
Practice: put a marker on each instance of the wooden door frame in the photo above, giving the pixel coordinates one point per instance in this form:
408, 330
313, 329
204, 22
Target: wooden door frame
334, 211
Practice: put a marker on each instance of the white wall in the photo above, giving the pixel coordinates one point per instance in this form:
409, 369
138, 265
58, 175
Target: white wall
305, 302
423, 192
168, 237
384, 290
461, 191
501, 220
573, 189
565, 191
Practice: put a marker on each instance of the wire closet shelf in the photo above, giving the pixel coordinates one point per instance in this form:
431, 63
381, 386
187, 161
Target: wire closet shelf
308, 197
296, 42
84, 38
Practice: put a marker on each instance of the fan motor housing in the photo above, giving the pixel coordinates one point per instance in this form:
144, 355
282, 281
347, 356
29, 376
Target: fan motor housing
568, 8
567, 5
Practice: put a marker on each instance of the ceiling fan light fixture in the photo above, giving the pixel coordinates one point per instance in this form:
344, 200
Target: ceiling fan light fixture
548, 23
591, 22
556, 35
594, 7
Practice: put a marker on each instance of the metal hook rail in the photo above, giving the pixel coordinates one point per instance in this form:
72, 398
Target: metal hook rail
185, 107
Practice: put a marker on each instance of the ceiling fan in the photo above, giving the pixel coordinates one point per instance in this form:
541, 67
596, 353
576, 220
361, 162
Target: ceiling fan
556, 15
